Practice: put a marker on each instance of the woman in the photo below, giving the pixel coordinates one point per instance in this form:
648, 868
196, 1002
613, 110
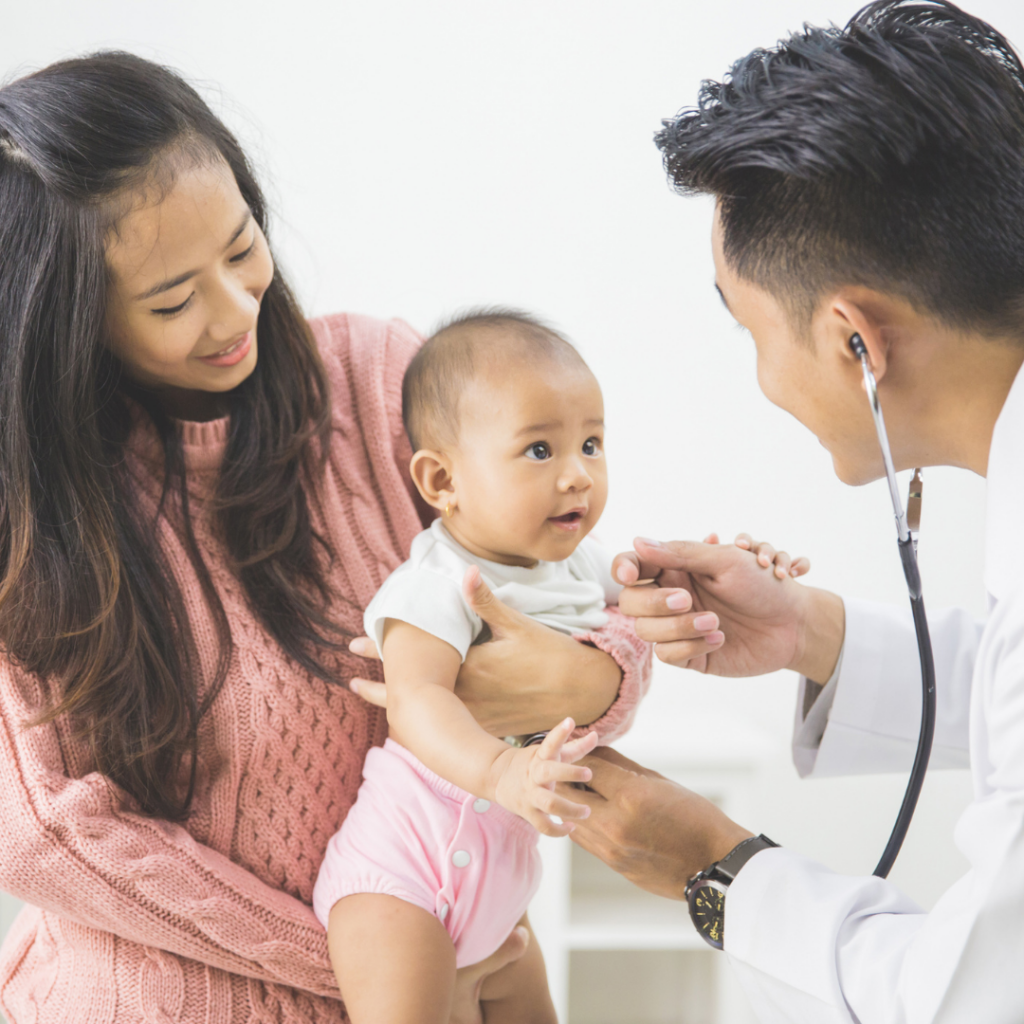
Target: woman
198, 494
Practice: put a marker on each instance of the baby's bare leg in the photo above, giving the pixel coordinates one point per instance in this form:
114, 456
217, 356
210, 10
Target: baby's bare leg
394, 962
518, 993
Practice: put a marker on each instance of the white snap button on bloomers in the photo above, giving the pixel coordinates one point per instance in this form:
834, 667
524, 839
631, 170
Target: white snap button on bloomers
460, 858
443, 912
480, 805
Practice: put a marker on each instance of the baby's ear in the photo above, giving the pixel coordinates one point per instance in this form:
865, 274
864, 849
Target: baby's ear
432, 473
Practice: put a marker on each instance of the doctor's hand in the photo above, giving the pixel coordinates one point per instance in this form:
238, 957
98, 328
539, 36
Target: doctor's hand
525, 679
725, 609
652, 831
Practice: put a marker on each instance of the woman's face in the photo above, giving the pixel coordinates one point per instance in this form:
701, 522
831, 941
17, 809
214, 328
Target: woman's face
187, 274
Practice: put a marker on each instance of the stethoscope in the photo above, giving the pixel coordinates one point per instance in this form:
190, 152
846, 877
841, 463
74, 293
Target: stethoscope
907, 526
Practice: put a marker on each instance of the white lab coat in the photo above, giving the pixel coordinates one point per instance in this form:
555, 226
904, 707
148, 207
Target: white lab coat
814, 947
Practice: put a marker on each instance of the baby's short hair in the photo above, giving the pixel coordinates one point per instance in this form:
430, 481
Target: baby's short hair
459, 349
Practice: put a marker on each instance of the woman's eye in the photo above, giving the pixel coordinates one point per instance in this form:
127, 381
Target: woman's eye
539, 451
242, 255
171, 310
591, 446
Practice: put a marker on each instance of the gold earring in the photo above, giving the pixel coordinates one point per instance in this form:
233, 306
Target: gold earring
448, 510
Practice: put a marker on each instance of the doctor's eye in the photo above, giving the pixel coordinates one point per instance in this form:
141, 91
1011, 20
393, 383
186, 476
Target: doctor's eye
539, 452
592, 446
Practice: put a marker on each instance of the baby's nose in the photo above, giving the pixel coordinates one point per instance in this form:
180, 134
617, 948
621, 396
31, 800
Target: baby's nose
576, 477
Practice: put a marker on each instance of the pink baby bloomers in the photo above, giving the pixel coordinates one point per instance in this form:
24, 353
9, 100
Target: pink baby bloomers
411, 834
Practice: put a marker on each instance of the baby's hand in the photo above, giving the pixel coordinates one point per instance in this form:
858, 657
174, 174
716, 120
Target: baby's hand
767, 556
526, 785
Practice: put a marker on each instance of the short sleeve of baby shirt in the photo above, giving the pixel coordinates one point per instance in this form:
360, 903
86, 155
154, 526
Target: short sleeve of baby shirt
599, 560
427, 600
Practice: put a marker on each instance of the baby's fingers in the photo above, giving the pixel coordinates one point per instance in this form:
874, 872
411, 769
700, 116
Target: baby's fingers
546, 827
579, 747
550, 803
764, 552
800, 567
785, 566
547, 773
551, 748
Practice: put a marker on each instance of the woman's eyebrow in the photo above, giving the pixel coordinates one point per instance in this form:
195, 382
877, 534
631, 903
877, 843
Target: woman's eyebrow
166, 286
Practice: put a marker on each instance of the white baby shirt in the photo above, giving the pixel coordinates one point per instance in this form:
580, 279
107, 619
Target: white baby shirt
426, 591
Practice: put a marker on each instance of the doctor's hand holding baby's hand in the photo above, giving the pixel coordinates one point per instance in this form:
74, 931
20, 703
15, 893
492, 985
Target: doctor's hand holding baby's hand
525, 779
730, 610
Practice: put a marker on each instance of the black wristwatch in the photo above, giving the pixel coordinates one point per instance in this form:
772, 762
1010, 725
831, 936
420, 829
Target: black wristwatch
705, 892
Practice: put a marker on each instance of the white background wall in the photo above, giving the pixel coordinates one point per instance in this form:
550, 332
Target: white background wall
423, 156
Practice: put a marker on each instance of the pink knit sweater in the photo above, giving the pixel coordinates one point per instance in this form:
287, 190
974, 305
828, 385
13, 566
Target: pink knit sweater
132, 919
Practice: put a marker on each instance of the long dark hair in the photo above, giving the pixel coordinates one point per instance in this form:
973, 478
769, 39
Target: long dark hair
87, 596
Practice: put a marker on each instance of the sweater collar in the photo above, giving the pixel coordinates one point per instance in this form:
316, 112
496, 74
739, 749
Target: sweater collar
203, 443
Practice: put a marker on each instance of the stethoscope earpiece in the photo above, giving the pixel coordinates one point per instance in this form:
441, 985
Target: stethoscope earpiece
860, 350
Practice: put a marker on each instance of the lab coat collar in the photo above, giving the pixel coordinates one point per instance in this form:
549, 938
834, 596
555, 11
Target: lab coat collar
1004, 553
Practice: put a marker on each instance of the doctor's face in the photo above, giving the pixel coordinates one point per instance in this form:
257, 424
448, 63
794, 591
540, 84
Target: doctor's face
809, 376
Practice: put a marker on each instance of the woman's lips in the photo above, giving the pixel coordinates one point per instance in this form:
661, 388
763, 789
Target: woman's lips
231, 355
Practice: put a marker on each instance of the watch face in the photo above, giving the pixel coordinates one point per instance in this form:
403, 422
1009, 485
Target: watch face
707, 911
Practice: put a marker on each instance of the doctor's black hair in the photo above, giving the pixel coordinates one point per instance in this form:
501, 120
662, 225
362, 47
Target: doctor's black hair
888, 154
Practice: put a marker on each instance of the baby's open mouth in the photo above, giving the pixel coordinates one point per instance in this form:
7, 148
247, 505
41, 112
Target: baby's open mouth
569, 517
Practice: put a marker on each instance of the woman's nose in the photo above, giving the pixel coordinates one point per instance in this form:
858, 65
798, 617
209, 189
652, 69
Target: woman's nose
233, 310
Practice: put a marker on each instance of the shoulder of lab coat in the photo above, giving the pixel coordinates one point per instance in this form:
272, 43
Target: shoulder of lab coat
867, 717
811, 945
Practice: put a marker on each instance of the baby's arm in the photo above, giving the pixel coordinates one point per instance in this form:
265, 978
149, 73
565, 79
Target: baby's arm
425, 716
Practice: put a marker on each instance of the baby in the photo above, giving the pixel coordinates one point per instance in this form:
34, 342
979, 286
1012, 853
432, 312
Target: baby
437, 860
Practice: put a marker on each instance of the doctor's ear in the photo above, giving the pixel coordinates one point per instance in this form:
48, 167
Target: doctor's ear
855, 330
432, 474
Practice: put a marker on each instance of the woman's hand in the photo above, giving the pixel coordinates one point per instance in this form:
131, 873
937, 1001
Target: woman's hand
651, 830
730, 610
470, 980
525, 679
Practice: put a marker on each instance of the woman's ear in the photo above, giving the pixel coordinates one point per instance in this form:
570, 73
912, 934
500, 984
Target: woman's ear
432, 474
848, 316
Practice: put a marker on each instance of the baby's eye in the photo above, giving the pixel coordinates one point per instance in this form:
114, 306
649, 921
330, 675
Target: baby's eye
539, 451
592, 446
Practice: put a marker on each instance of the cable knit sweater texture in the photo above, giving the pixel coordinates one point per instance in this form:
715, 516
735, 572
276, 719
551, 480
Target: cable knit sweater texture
138, 920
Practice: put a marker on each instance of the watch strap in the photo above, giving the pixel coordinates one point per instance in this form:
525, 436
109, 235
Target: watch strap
729, 866
708, 912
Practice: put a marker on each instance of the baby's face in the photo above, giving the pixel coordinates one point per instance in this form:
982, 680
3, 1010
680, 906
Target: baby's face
529, 473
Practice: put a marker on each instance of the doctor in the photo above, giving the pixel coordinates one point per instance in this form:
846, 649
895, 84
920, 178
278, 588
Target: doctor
869, 181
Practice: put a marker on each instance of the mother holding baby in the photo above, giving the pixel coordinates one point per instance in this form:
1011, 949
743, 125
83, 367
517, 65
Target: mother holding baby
199, 493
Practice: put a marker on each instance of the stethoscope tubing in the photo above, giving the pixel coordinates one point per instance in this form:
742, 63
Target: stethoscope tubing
927, 729
908, 557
